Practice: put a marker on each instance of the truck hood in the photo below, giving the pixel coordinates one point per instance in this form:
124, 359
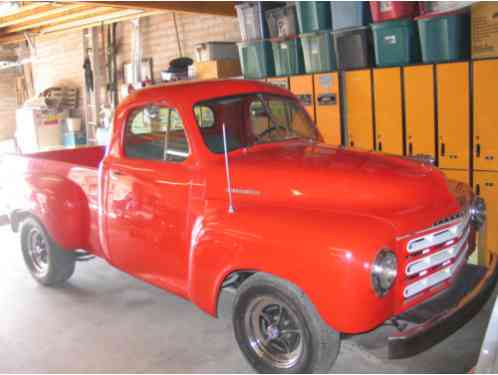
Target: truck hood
411, 195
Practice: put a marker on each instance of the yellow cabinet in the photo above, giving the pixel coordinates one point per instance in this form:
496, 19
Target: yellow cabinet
419, 110
388, 110
302, 87
327, 106
453, 115
486, 185
457, 175
358, 108
282, 82
485, 78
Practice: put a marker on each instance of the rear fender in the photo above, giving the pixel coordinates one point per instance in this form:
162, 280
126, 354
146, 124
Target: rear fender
57, 202
327, 255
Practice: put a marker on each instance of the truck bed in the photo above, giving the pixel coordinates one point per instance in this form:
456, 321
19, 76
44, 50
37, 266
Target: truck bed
68, 175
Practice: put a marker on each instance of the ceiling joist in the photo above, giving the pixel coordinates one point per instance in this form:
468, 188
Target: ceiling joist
62, 15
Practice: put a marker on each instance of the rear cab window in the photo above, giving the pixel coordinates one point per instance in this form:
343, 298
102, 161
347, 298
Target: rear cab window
155, 133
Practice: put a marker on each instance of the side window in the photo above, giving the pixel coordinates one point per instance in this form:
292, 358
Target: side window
155, 133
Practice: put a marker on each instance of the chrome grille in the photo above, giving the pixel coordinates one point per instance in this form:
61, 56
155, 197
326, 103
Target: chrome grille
439, 237
437, 258
435, 278
438, 249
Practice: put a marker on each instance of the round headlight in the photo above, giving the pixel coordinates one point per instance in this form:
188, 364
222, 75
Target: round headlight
384, 271
478, 212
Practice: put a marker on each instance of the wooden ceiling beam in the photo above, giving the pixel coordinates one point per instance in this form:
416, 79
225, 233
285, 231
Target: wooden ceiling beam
72, 16
112, 14
28, 13
219, 8
106, 22
47, 17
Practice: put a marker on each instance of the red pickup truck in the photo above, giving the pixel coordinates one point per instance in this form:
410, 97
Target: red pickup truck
217, 184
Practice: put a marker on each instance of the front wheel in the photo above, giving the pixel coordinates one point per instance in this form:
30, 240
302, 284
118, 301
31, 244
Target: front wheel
278, 329
48, 263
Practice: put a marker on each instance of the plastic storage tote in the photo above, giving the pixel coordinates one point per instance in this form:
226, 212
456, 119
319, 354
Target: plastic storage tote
256, 59
353, 48
288, 56
251, 19
313, 16
318, 52
427, 7
391, 10
444, 37
346, 14
396, 42
282, 22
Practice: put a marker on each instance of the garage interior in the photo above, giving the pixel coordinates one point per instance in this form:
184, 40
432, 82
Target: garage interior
66, 65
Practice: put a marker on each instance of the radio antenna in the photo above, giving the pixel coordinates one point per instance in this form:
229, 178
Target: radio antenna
231, 210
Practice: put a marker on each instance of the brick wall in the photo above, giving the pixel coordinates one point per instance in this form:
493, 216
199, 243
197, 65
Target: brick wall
59, 61
159, 39
7, 103
59, 57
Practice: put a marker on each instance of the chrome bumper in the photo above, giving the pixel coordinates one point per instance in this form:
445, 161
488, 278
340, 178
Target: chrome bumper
436, 319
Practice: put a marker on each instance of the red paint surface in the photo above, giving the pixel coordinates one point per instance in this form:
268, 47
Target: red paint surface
320, 218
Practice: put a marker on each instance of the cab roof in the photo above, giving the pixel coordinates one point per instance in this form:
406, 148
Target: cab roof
190, 92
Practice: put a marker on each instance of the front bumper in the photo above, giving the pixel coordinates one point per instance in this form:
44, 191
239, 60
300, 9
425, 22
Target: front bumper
436, 319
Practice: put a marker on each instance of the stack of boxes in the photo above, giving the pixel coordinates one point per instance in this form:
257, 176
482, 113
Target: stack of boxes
215, 60
255, 50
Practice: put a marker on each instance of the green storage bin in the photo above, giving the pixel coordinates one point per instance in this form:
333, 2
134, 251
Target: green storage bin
318, 52
288, 57
313, 16
396, 42
444, 37
256, 59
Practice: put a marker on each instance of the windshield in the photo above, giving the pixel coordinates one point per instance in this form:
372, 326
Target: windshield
252, 119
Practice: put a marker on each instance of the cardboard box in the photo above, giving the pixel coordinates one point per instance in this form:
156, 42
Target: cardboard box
484, 25
216, 69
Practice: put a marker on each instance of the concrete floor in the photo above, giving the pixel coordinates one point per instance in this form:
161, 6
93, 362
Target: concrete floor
103, 320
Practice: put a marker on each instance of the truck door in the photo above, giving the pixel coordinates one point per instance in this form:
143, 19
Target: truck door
147, 198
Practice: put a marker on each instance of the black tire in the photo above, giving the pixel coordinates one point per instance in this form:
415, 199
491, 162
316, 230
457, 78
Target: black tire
308, 345
51, 265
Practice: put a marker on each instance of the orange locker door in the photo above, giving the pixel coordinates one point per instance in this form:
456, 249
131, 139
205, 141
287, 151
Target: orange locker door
388, 110
358, 108
453, 115
457, 175
282, 82
302, 87
419, 110
485, 79
327, 104
486, 185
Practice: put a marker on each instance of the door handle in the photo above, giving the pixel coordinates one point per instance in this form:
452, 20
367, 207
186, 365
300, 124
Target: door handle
443, 149
478, 150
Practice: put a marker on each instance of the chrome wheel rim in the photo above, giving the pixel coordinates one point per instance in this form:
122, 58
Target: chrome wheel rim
38, 252
274, 332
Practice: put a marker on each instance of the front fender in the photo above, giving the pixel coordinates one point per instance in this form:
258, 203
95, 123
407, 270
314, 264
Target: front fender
57, 202
328, 255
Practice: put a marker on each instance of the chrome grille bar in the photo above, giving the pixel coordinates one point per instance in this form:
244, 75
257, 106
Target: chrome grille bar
439, 237
438, 258
435, 278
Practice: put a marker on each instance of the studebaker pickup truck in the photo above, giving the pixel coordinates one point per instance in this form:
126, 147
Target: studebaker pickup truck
217, 184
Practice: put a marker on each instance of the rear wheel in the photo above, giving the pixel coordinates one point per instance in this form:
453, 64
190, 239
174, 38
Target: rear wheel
278, 329
47, 262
